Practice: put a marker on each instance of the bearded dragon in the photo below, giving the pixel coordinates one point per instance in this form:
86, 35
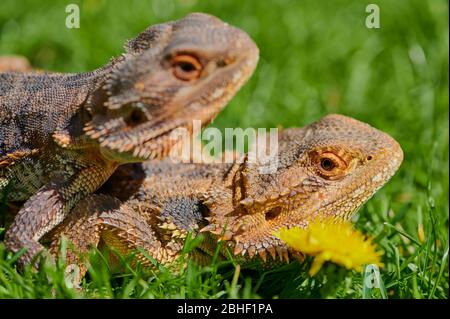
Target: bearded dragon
325, 170
63, 135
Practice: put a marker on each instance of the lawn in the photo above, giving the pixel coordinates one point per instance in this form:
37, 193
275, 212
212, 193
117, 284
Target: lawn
316, 58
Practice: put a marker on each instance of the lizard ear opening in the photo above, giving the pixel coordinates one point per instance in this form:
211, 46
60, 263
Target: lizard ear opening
136, 116
272, 213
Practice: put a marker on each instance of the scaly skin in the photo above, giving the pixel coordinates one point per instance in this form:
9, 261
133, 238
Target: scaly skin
327, 169
63, 135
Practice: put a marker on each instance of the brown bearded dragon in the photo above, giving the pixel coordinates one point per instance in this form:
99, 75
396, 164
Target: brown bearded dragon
63, 135
326, 169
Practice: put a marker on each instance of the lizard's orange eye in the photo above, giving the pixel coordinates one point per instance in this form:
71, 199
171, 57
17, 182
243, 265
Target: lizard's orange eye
186, 67
330, 165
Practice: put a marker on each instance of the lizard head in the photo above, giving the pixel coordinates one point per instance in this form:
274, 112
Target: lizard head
326, 170
173, 73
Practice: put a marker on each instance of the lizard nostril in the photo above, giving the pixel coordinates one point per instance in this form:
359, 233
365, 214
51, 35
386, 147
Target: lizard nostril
221, 63
272, 213
369, 158
224, 62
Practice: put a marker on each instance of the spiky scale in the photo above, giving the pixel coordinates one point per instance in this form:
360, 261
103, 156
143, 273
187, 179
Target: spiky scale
262, 254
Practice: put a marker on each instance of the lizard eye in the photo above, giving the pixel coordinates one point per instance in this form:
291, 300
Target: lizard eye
330, 165
186, 67
327, 164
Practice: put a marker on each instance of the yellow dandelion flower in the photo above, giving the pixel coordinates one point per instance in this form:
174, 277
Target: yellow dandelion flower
331, 241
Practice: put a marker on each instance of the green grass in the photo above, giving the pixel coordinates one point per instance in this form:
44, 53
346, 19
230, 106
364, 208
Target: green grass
316, 58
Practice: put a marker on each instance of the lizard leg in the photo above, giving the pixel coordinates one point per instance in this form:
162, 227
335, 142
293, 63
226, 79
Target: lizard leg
82, 229
39, 214
127, 230
119, 226
47, 208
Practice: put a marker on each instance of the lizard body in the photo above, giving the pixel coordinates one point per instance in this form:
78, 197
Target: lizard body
326, 169
63, 135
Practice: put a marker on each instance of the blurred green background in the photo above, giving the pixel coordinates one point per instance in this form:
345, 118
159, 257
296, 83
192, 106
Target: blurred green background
317, 57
